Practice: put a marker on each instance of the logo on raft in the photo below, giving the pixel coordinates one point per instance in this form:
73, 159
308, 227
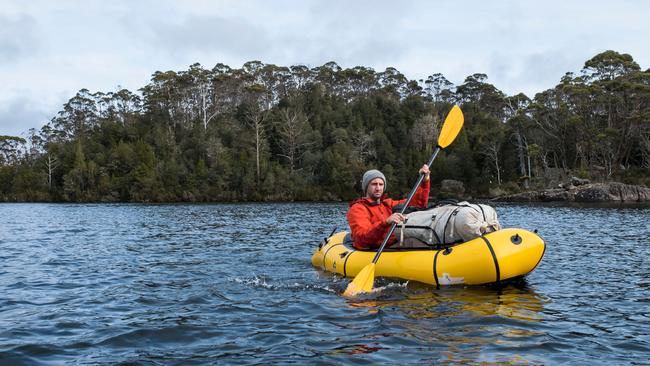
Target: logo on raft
446, 279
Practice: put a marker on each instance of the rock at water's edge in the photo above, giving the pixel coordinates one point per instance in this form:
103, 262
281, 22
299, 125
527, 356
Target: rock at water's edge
594, 192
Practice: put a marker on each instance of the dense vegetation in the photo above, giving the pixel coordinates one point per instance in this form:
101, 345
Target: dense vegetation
265, 132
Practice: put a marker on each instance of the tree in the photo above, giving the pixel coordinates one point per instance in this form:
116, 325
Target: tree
363, 146
518, 118
491, 150
439, 88
645, 151
358, 82
485, 96
616, 99
394, 83
51, 163
424, 132
10, 149
293, 129
122, 107
78, 116
609, 65
255, 118
75, 180
552, 117
264, 132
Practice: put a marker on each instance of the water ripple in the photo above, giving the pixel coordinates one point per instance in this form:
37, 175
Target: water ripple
233, 284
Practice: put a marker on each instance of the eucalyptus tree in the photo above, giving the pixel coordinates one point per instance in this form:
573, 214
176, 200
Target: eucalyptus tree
327, 75
364, 150
163, 99
294, 136
228, 89
645, 150
518, 119
484, 95
424, 132
551, 115
438, 88
358, 82
395, 83
310, 132
200, 94
491, 149
51, 162
11, 149
123, 107
78, 117
255, 118
612, 76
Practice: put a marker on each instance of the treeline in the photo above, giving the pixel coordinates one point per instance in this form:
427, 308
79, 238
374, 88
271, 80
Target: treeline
266, 132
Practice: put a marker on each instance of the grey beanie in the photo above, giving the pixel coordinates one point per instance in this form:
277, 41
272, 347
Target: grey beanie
369, 176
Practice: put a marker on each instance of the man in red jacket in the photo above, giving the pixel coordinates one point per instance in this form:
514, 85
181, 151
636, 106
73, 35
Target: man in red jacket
371, 216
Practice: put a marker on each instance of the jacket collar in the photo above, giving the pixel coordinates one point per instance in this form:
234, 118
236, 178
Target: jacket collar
368, 202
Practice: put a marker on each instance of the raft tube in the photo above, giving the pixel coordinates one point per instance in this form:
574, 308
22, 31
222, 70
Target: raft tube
495, 257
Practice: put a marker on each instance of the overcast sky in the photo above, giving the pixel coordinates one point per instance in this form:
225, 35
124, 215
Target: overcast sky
51, 49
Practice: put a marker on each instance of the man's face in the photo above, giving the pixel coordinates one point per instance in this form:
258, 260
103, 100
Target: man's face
375, 189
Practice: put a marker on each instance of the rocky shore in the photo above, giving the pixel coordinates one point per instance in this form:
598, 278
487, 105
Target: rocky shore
582, 190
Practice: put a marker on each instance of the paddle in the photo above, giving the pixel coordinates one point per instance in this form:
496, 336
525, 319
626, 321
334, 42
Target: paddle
365, 279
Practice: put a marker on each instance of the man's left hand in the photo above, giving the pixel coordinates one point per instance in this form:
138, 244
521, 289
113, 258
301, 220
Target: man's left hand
425, 170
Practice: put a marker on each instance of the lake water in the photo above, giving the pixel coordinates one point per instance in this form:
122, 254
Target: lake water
233, 284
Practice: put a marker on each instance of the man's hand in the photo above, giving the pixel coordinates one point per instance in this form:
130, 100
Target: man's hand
425, 170
395, 218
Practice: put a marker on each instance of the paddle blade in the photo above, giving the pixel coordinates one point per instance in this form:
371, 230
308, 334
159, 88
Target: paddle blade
451, 127
363, 282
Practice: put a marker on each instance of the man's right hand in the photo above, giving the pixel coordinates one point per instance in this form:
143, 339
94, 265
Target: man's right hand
395, 218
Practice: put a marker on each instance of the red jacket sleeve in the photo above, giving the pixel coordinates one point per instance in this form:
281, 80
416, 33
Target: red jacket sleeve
365, 233
421, 197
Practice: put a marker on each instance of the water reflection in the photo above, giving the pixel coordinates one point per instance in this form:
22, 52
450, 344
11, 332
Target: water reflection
462, 321
420, 301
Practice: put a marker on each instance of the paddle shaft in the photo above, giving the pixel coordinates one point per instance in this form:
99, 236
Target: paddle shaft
408, 200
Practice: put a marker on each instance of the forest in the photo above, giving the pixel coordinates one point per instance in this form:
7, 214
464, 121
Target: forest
293, 133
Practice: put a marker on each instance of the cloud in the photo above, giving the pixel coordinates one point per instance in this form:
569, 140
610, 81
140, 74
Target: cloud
208, 34
288, 33
51, 49
17, 38
20, 115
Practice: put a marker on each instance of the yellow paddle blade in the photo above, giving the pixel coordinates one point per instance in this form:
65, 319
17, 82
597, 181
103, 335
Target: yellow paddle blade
363, 282
451, 127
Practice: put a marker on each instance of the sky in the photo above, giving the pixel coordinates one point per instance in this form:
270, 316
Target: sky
49, 50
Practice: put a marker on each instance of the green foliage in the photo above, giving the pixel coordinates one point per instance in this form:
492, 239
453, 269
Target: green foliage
266, 132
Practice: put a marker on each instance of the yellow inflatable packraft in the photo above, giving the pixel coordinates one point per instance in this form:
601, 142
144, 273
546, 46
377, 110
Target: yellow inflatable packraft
498, 256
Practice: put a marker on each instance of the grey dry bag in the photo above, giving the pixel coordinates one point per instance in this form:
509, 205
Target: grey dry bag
449, 224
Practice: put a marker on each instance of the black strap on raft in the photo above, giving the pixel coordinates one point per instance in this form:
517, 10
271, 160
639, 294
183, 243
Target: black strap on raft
345, 263
494, 257
435, 269
328, 250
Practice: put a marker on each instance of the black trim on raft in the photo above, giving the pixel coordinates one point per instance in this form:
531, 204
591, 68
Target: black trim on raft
542, 256
494, 256
539, 260
435, 269
327, 251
